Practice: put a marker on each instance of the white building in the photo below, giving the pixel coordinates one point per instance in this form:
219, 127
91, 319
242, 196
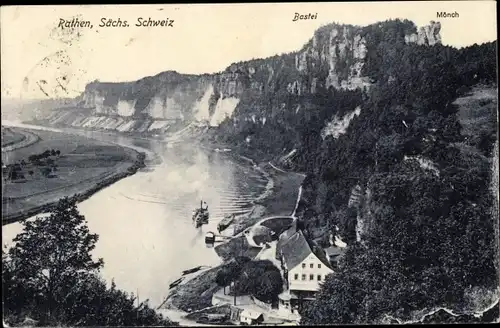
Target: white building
251, 317
304, 269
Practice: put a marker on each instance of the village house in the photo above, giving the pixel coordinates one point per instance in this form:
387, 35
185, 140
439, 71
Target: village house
336, 249
250, 317
333, 254
304, 265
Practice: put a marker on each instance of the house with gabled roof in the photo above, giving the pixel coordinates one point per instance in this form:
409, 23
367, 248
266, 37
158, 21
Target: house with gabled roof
251, 317
305, 266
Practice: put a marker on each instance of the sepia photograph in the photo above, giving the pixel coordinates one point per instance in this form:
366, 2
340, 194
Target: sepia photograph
320, 163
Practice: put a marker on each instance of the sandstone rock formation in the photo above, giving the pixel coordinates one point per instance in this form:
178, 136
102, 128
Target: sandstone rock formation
335, 57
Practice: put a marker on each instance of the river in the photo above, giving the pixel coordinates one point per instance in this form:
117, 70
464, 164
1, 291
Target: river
146, 235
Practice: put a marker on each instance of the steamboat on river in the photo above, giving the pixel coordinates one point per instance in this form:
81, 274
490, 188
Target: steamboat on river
201, 215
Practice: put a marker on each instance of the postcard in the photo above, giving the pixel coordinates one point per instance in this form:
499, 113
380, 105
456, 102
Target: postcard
250, 164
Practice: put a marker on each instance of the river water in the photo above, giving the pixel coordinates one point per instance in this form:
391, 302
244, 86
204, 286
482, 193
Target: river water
146, 235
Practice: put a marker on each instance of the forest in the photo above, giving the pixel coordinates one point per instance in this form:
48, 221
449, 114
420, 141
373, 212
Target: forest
427, 230
408, 184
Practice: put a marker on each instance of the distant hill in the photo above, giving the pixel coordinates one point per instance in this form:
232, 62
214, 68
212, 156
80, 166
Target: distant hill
337, 57
32, 109
396, 134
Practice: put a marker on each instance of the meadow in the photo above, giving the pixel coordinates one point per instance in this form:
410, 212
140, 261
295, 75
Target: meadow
82, 164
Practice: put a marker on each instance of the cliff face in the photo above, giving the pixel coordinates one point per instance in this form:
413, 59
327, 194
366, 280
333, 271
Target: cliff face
335, 57
337, 54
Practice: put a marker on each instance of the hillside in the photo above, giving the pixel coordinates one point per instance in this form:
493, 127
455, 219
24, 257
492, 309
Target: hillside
337, 57
395, 133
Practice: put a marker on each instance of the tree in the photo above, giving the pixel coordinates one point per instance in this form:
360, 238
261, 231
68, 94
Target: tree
13, 174
337, 302
228, 274
52, 253
261, 279
49, 275
114, 307
45, 171
269, 286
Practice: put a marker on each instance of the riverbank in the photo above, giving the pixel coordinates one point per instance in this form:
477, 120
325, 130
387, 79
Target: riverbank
279, 199
195, 293
11, 136
14, 138
83, 167
154, 224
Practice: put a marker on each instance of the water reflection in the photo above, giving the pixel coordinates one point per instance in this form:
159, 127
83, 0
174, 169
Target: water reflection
144, 221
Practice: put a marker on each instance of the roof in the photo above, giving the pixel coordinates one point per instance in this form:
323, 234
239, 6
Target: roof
290, 231
285, 235
295, 296
321, 254
333, 251
285, 296
251, 314
215, 315
339, 242
295, 249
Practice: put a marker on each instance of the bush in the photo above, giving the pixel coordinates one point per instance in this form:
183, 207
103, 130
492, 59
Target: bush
50, 276
261, 279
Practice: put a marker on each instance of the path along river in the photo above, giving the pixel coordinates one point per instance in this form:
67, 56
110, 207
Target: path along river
146, 236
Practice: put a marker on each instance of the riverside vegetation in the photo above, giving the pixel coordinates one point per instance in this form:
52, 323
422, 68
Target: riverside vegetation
427, 237
36, 176
415, 161
50, 278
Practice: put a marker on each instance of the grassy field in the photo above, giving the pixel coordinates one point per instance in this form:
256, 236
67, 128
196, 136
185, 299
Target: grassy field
280, 202
284, 196
83, 165
477, 110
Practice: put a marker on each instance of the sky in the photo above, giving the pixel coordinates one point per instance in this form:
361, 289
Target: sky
204, 38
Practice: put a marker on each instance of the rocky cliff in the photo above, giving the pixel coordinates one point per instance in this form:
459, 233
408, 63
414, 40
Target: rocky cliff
335, 57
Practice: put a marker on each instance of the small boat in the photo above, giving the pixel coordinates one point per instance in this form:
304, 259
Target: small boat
212, 318
209, 238
188, 271
175, 283
225, 222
